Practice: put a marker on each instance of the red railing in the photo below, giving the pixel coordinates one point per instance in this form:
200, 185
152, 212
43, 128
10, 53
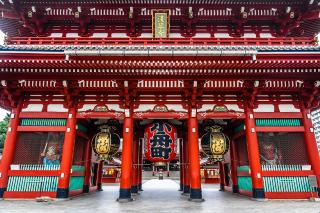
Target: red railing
161, 41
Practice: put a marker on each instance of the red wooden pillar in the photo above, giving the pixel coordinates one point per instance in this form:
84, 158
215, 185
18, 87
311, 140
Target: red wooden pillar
140, 165
222, 175
9, 148
67, 155
194, 159
311, 143
134, 185
87, 176
126, 165
234, 162
253, 155
181, 164
99, 176
185, 161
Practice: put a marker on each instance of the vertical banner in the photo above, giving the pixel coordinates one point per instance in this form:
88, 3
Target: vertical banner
160, 23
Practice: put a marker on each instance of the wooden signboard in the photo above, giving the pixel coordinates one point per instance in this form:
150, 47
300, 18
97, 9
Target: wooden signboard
160, 23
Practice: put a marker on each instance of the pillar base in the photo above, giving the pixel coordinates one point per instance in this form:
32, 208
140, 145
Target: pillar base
196, 195
221, 187
318, 190
124, 200
2, 190
99, 187
86, 189
135, 189
258, 193
140, 187
181, 187
186, 190
62, 193
124, 196
235, 188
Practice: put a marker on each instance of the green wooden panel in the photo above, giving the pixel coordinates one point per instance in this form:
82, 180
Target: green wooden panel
76, 168
245, 183
243, 169
32, 184
38, 167
43, 122
239, 128
76, 182
82, 128
286, 184
281, 167
278, 122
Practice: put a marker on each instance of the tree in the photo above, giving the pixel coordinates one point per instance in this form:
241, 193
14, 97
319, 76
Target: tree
3, 130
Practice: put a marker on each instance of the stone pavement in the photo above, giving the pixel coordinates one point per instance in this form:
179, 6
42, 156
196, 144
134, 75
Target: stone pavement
159, 196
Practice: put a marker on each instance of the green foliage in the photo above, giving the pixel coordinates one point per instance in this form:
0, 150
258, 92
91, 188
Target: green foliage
3, 130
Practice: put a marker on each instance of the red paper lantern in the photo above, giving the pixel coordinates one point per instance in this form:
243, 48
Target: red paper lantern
160, 142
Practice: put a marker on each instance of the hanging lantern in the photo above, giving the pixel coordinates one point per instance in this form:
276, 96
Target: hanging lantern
106, 143
214, 143
160, 142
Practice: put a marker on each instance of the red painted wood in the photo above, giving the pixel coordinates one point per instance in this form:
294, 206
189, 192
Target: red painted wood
75, 192
234, 162
228, 188
243, 174
113, 115
88, 157
277, 115
41, 129
161, 41
290, 195
185, 159
93, 188
99, 175
68, 147
279, 129
245, 192
134, 180
193, 148
43, 115
253, 149
10, 146
222, 173
310, 141
160, 115
78, 173
109, 180
212, 180
28, 195
220, 115
126, 166
141, 156
82, 134
239, 135
287, 173
33, 173
181, 173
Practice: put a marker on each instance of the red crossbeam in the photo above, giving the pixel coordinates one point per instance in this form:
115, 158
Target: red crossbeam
166, 41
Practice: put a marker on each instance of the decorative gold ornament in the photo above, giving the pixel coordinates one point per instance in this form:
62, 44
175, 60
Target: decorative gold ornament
220, 108
160, 108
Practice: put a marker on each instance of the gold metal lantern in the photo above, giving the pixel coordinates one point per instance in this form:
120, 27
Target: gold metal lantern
106, 143
215, 143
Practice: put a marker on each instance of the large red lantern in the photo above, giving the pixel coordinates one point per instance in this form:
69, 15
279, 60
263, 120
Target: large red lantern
160, 142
